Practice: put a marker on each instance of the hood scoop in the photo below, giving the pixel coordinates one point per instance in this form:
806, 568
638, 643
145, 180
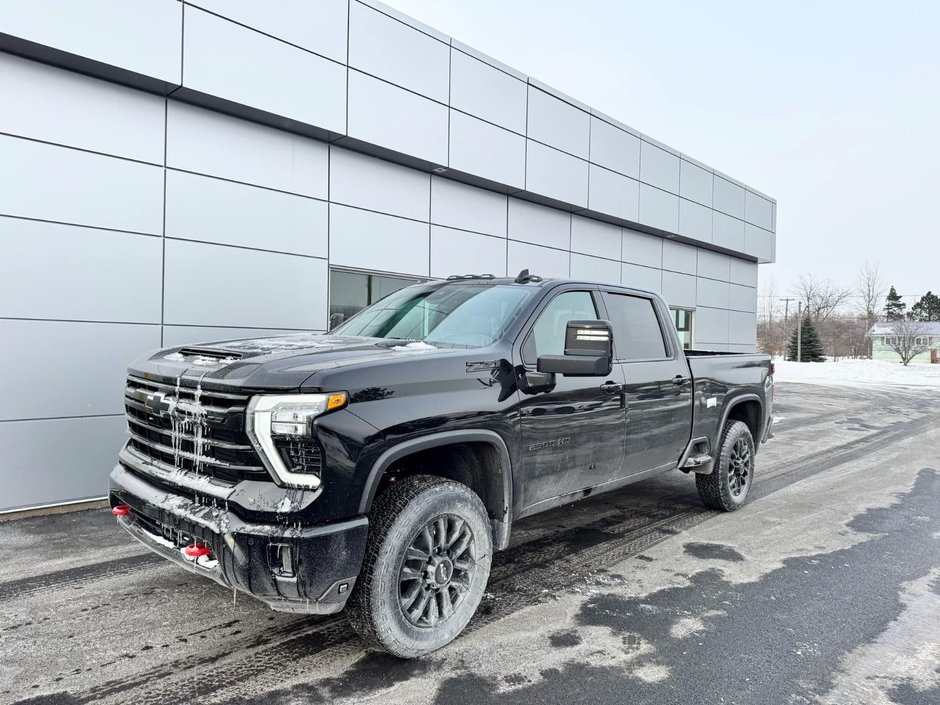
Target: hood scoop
210, 353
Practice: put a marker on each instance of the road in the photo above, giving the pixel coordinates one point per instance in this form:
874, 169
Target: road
825, 588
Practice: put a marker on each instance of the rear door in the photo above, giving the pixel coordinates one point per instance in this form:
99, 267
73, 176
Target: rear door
657, 383
572, 436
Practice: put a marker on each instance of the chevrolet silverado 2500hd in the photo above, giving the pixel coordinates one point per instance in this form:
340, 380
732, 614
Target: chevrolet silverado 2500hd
377, 467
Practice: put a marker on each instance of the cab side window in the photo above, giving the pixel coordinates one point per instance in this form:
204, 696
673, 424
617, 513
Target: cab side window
637, 333
547, 336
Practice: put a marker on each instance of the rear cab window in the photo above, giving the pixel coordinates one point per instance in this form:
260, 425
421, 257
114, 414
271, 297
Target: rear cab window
638, 334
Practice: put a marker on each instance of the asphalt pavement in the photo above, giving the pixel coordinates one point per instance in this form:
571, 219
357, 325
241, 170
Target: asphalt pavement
825, 588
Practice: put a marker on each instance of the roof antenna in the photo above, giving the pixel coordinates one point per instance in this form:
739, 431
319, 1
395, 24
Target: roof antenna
524, 277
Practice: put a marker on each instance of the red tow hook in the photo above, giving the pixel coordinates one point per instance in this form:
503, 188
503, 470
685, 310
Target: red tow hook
196, 550
120, 510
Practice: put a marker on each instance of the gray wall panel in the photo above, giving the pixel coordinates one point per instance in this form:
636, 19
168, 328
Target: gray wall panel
480, 148
86, 381
711, 327
742, 328
392, 117
727, 232
86, 274
613, 194
647, 278
559, 124
614, 148
318, 26
212, 210
728, 197
198, 276
543, 261
743, 272
102, 117
66, 185
679, 289
459, 252
556, 174
659, 209
262, 72
539, 224
640, 248
365, 182
759, 211
714, 265
482, 90
695, 221
36, 472
759, 243
367, 240
659, 168
743, 298
695, 183
595, 268
593, 237
384, 47
218, 145
468, 208
140, 37
678, 257
712, 293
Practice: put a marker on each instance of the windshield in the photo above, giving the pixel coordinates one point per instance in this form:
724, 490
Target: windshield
461, 314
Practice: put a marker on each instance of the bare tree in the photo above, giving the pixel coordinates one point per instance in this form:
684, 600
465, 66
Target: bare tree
771, 327
870, 290
908, 339
821, 296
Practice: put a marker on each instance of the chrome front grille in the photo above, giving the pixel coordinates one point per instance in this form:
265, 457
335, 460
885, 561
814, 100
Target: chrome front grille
191, 429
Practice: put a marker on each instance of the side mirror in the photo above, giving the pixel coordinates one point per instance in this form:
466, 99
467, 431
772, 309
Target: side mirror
589, 351
336, 319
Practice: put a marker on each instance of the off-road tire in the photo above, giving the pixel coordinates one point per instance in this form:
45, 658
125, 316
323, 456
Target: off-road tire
398, 516
717, 489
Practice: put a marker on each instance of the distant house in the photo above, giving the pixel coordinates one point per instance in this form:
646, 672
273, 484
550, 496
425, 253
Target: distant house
881, 334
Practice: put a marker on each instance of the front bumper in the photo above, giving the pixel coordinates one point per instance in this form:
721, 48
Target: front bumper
293, 569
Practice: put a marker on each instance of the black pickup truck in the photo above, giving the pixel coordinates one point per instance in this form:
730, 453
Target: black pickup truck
377, 467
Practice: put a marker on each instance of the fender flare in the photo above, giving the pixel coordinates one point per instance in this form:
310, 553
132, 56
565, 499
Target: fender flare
735, 402
436, 440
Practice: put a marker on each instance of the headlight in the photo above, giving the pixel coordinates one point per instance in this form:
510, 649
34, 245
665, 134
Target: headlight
288, 417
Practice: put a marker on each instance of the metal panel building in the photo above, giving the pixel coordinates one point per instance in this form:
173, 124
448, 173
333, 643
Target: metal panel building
173, 172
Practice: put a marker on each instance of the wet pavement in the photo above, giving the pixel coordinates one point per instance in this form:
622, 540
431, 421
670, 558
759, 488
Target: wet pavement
825, 588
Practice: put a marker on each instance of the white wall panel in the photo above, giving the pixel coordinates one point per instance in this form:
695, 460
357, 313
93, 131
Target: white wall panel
743, 272
61, 271
592, 237
678, 257
102, 116
210, 143
695, 221
366, 182
384, 47
759, 211
554, 122
486, 92
594, 269
459, 252
367, 240
728, 197
286, 291
392, 117
759, 243
640, 248
556, 174
646, 278
262, 72
482, 149
659, 168
190, 335
543, 261
66, 185
714, 265
695, 183
743, 298
711, 327
213, 210
712, 293
742, 328
613, 194
727, 231
614, 148
468, 208
539, 224
659, 209
679, 289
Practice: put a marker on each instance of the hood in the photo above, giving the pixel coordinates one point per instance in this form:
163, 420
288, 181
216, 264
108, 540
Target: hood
279, 362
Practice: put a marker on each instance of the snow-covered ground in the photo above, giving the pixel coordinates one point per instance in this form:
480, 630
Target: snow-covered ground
858, 373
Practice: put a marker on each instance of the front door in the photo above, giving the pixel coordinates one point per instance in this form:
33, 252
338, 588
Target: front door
572, 436
658, 387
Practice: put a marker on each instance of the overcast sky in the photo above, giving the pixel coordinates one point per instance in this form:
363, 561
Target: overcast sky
832, 108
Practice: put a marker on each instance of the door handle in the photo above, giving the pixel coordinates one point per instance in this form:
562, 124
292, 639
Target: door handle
611, 387
679, 380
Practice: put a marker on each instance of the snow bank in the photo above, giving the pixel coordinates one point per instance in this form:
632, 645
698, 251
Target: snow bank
858, 373
417, 345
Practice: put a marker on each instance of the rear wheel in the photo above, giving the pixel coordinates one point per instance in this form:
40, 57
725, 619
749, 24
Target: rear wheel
728, 484
426, 566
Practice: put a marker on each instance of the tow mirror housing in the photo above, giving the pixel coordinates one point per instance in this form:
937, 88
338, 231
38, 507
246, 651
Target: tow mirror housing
589, 351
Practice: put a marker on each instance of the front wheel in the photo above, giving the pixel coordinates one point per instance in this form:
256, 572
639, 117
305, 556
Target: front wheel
426, 566
728, 484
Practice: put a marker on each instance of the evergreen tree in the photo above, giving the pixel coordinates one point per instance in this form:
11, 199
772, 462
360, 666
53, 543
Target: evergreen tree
810, 347
927, 309
894, 307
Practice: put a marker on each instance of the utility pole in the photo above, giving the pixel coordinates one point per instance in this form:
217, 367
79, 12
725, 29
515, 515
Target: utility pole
786, 322
799, 332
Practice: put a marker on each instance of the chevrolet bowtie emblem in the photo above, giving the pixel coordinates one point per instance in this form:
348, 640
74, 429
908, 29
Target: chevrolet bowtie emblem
157, 404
